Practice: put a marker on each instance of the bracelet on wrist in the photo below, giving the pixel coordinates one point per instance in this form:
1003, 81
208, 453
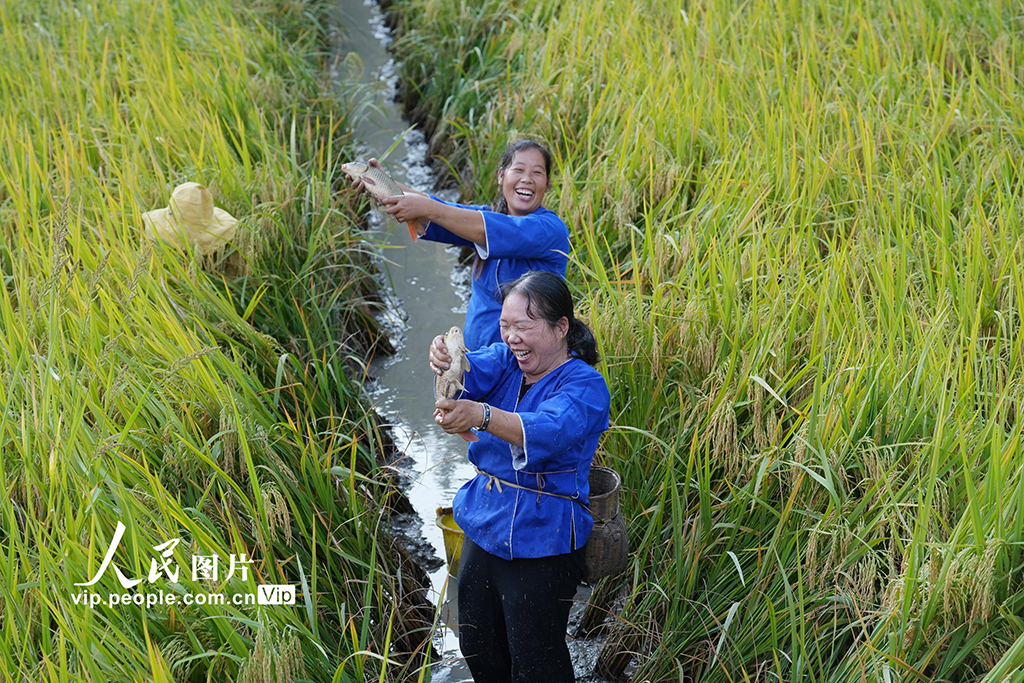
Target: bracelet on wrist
487, 417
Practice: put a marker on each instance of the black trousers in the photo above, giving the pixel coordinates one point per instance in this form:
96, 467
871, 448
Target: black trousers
513, 615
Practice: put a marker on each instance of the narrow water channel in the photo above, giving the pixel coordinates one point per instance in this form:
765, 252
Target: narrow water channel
426, 292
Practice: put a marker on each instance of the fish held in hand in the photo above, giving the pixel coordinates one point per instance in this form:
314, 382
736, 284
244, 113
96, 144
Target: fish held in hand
378, 183
450, 382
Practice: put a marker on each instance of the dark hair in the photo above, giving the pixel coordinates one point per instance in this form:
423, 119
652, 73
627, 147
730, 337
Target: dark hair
501, 206
548, 299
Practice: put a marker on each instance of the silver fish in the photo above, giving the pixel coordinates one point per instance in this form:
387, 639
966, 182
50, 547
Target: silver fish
377, 183
450, 382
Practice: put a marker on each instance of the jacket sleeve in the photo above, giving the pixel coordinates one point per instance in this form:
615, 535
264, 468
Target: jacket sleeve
438, 233
539, 235
576, 410
487, 368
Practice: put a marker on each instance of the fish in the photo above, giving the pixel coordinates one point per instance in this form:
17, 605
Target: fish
449, 382
378, 183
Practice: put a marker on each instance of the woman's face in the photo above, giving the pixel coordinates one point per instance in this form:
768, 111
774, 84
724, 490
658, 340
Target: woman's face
524, 182
538, 346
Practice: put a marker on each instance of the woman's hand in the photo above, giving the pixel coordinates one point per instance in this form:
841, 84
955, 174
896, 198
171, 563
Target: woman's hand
408, 207
439, 358
457, 417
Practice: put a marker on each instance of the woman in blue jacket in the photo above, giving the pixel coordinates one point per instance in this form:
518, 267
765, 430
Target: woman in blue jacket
539, 409
514, 236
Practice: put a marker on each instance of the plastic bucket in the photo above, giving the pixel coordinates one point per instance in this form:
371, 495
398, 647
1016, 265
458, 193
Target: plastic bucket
452, 538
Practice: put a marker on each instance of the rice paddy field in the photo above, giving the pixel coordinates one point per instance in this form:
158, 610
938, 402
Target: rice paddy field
159, 406
798, 234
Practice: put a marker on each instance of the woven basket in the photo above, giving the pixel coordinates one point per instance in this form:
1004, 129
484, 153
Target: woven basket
607, 549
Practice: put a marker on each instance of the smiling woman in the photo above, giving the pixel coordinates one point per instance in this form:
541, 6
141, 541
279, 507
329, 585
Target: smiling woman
525, 515
514, 236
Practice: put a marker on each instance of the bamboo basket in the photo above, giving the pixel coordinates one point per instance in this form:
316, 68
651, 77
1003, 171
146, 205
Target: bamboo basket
607, 549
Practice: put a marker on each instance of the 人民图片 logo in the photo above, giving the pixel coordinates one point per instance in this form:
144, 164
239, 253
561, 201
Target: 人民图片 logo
162, 566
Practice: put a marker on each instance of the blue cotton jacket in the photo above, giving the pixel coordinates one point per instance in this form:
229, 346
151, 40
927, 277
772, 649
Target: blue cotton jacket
515, 245
563, 416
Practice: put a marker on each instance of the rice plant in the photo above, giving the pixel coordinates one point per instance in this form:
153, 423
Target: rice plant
160, 406
797, 229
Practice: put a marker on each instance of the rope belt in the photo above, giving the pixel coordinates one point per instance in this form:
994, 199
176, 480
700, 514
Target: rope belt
498, 481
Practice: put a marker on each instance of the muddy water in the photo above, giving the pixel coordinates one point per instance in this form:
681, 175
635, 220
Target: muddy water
426, 292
